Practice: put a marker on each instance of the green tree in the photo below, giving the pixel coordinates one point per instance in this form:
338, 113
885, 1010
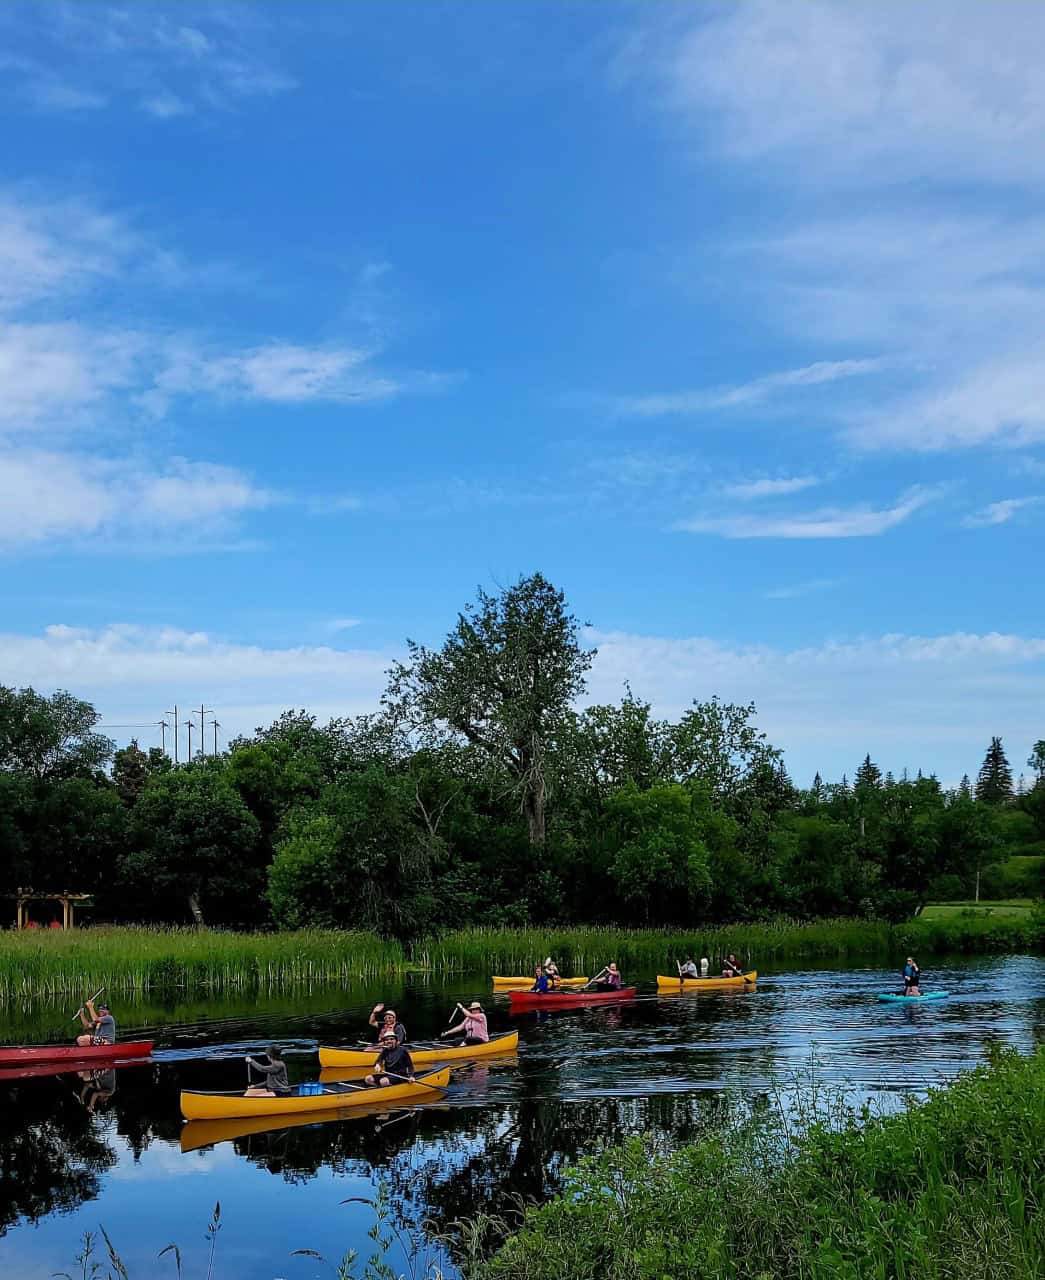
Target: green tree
994, 783
197, 842
50, 737
79, 833
1036, 760
716, 743
868, 777
132, 767
503, 681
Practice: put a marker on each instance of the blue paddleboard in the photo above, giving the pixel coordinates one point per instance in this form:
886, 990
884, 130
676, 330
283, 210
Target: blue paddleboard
888, 998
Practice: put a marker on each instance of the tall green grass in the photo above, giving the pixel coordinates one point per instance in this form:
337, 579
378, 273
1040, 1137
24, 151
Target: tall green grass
130, 960
950, 1189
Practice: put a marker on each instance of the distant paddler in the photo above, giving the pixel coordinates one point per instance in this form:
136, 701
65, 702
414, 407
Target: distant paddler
473, 1025
388, 1022
393, 1063
911, 978
688, 970
609, 979
98, 1024
552, 970
731, 967
274, 1069
540, 981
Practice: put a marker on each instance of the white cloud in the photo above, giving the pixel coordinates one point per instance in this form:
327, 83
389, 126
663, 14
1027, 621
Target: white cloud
871, 91
930, 702
165, 106
861, 521
800, 589
746, 393
342, 624
999, 512
48, 497
769, 487
51, 94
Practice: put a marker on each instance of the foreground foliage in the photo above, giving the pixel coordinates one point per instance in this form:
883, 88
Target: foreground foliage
950, 1189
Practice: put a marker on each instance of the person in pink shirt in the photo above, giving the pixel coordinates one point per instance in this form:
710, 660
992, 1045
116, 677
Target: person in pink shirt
473, 1025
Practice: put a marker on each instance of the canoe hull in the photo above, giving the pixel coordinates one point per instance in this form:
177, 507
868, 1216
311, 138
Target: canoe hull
208, 1133
74, 1054
226, 1106
566, 999
496, 1047
887, 997
667, 983
528, 982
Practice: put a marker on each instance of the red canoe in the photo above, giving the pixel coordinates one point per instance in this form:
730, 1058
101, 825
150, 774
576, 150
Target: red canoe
561, 999
74, 1054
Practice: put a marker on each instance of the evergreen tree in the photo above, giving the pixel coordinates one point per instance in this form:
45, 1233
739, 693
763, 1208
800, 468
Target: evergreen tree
965, 790
1036, 759
818, 790
868, 776
994, 783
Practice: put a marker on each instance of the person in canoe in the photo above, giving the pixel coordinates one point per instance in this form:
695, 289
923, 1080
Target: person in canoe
688, 970
540, 981
552, 970
274, 1069
393, 1064
473, 1025
388, 1022
911, 978
704, 966
731, 967
609, 979
98, 1024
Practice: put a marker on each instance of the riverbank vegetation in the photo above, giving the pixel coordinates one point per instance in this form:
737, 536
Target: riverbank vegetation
136, 959
482, 794
951, 1187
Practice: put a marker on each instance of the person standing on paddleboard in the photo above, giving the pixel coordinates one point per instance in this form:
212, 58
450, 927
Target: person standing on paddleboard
98, 1023
911, 978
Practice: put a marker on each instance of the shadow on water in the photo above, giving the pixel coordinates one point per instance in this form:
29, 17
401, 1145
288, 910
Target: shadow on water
583, 1078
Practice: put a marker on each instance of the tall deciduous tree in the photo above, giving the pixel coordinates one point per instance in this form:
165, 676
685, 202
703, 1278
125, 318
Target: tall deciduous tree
505, 676
50, 737
994, 783
716, 743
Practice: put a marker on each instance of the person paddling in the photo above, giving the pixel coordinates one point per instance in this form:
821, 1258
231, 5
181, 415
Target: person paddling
688, 970
473, 1025
389, 1022
552, 970
911, 978
393, 1063
611, 980
731, 968
99, 1025
540, 982
274, 1069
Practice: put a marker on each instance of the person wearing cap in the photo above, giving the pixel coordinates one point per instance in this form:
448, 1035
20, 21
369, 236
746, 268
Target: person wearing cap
274, 1069
393, 1064
99, 1025
473, 1025
389, 1022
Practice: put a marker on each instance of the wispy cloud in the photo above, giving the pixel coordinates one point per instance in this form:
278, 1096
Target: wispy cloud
999, 512
770, 487
800, 589
862, 521
746, 393
343, 624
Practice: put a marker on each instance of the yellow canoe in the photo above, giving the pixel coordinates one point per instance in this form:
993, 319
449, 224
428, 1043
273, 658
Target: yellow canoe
669, 982
226, 1106
495, 1047
528, 982
329, 1075
208, 1133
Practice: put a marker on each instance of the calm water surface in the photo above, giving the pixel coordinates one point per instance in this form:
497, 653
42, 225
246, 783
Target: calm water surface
582, 1078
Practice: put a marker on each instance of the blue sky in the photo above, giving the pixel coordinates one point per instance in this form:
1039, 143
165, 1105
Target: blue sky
729, 319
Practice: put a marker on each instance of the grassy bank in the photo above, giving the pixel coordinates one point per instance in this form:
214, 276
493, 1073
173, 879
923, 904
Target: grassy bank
138, 959
951, 1188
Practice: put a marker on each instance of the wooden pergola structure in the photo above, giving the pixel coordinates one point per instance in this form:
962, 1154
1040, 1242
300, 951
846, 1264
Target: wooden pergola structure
68, 900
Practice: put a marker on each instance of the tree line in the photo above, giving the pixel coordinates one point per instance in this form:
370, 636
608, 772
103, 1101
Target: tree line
480, 792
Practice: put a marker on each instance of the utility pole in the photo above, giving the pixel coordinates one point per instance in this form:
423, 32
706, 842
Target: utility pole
217, 726
203, 727
189, 724
174, 726
164, 726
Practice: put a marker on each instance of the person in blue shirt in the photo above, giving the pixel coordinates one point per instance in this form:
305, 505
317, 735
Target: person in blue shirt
541, 981
911, 977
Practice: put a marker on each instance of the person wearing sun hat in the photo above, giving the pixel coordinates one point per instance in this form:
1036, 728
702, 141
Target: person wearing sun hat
393, 1065
473, 1025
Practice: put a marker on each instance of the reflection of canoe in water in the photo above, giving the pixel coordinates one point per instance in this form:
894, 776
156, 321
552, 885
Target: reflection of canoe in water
528, 982
566, 999
330, 1075
423, 1054
27, 1055
208, 1133
223, 1106
887, 997
63, 1068
667, 982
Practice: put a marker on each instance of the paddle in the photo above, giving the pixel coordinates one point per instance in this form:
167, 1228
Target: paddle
100, 991
604, 969
451, 1018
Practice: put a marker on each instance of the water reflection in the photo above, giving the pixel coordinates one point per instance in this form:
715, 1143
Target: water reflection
583, 1078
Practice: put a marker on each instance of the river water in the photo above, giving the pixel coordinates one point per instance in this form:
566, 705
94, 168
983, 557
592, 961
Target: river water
582, 1078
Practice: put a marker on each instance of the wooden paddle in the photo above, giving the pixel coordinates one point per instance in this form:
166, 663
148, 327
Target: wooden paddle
592, 982
99, 992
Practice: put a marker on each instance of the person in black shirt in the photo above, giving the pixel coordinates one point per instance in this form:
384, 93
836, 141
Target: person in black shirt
393, 1064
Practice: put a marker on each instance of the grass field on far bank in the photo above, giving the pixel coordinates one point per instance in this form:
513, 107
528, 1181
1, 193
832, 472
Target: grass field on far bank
34, 963
1007, 908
